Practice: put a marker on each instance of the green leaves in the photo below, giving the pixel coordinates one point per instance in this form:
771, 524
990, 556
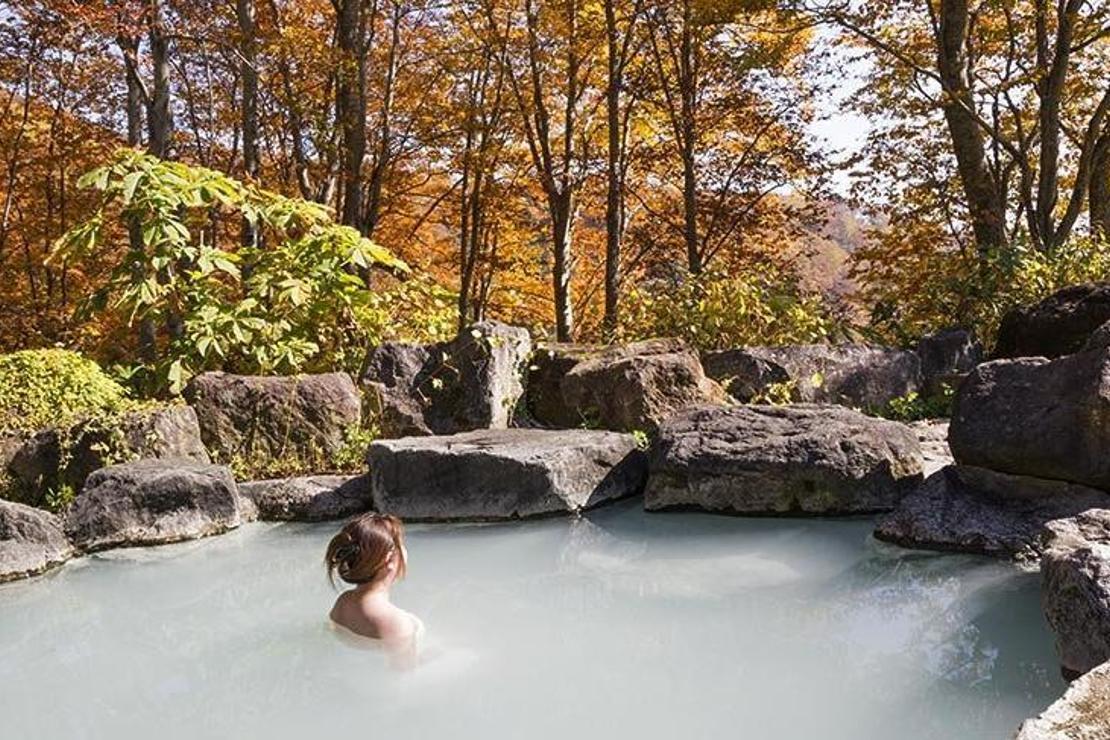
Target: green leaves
302, 299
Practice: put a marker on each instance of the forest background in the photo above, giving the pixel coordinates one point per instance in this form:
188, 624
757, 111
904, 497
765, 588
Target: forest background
277, 185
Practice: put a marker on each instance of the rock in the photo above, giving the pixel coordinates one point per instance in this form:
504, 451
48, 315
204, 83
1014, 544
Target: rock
932, 435
1099, 339
800, 459
1038, 418
946, 357
389, 377
547, 367
311, 498
293, 421
964, 509
1083, 713
855, 375
1059, 325
504, 473
634, 387
152, 502
1075, 589
42, 464
471, 382
31, 541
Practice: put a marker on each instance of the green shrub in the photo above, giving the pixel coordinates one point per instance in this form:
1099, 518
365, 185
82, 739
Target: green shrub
291, 302
55, 388
915, 407
714, 310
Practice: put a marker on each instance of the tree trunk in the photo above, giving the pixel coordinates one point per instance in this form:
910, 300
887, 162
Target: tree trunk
562, 211
351, 106
986, 207
385, 130
688, 85
248, 50
1100, 187
159, 115
614, 216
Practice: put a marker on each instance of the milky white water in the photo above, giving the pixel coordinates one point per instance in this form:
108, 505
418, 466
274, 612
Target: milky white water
618, 625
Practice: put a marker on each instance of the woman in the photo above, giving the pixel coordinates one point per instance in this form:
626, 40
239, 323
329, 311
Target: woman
369, 553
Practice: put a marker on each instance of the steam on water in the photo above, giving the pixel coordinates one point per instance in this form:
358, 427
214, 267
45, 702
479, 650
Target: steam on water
618, 625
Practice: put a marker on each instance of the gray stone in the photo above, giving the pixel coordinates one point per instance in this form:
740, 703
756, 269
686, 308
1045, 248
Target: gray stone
634, 387
472, 382
288, 421
503, 474
52, 459
1059, 325
311, 498
800, 459
153, 502
932, 435
1038, 418
1075, 588
1083, 713
946, 357
974, 510
1099, 339
31, 541
388, 382
547, 367
854, 375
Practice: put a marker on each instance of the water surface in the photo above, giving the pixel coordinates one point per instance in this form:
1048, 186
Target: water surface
618, 625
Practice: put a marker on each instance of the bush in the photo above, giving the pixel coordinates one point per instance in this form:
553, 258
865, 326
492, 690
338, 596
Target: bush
62, 391
714, 310
289, 302
914, 287
55, 388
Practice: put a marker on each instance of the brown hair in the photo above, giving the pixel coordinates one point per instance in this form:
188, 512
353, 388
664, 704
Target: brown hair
364, 549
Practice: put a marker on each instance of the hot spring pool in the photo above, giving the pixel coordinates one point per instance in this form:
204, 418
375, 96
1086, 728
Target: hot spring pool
618, 625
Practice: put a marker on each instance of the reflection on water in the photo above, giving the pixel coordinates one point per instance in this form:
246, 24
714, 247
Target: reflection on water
619, 625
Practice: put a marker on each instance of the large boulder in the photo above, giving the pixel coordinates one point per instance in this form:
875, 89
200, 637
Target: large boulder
311, 498
152, 502
472, 382
260, 422
1075, 588
1083, 713
388, 382
503, 473
974, 510
802, 459
634, 387
855, 375
946, 357
1039, 418
43, 464
1059, 325
31, 541
547, 367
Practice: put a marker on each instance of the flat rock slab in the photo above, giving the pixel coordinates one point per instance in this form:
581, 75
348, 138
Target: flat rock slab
503, 473
800, 459
1083, 713
973, 510
153, 502
312, 498
31, 541
1075, 589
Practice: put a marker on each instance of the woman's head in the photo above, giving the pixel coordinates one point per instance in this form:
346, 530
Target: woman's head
369, 549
